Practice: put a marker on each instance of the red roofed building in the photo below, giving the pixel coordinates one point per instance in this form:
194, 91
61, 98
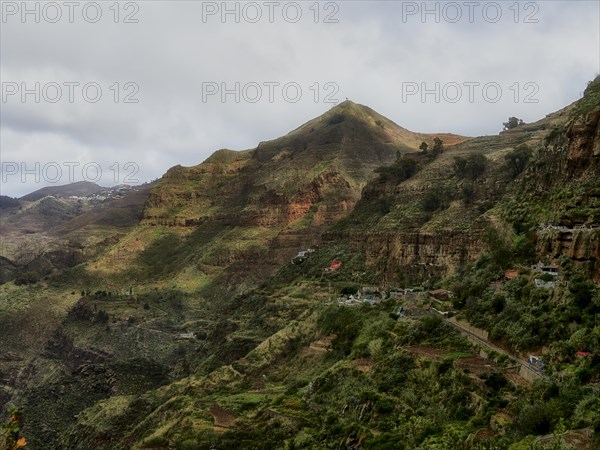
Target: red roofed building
335, 265
510, 274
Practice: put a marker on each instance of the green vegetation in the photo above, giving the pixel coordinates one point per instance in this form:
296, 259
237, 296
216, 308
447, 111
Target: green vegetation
206, 336
435, 200
401, 170
513, 122
29, 277
10, 438
590, 99
471, 167
517, 160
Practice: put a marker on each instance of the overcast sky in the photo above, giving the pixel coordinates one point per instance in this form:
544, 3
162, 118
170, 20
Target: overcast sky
291, 60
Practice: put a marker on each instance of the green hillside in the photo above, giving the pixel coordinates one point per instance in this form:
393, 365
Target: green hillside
202, 327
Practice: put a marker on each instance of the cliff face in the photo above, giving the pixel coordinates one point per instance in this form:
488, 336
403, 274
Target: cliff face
584, 141
414, 256
581, 245
577, 234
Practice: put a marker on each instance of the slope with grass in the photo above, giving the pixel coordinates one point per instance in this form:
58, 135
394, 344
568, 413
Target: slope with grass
203, 334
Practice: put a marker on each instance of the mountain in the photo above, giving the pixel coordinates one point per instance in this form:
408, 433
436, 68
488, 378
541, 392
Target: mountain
8, 202
343, 146
79, 189
197, 328
242, 214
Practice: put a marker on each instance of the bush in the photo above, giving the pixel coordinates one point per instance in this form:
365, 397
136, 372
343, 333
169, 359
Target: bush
338, 118
102, 316
401, 170
434, 201
349, 290
29, 277
535, 419
496, 381
468, 194
471, 167
517, 160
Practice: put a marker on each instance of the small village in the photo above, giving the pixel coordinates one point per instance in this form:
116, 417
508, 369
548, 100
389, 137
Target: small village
111, 193
417, 301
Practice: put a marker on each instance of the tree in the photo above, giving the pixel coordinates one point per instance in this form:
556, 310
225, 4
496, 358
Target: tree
423, 147
513, 122
434, 200
29, 277
349, 290
399, 171
470, 167
438, 147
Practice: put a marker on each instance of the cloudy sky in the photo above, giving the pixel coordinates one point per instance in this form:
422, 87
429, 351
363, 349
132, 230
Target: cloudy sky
118, 92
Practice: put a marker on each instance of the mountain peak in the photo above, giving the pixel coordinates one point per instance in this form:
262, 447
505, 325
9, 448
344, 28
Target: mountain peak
353, 127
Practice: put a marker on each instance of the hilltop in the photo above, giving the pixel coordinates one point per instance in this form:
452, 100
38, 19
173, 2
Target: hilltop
78, 188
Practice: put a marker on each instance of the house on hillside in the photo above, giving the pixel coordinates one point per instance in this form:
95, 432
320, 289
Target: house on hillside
334, 266
372, 293
510, 274
550, 269
302, 255
536, 362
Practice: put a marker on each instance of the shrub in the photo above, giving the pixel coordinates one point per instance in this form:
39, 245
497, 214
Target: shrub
471, 167
517, 160
401, 170
29, 277
434, 201
338, 118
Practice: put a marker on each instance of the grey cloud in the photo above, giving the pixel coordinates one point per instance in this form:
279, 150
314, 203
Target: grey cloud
368, 54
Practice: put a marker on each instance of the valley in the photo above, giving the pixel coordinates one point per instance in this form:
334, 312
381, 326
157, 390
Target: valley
177, 315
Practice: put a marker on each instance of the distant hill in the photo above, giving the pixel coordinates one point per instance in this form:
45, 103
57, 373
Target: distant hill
67, 231
80, 189
8, 202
